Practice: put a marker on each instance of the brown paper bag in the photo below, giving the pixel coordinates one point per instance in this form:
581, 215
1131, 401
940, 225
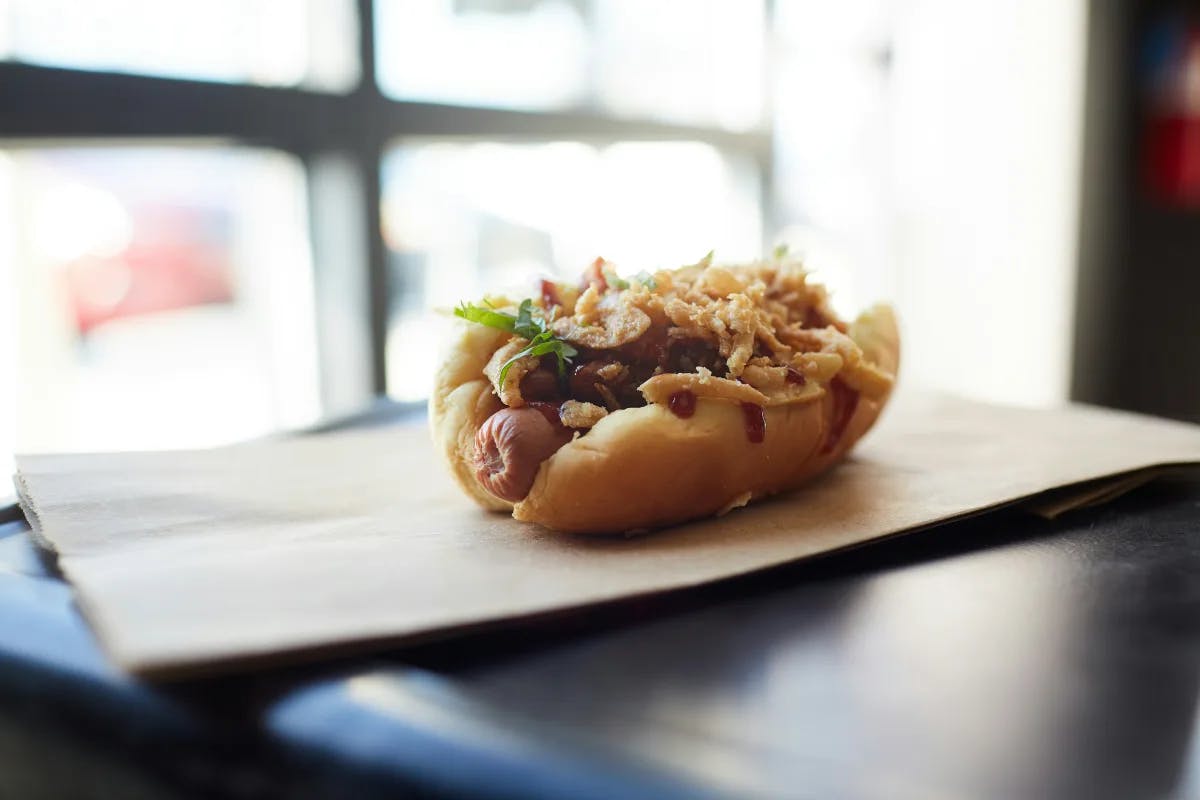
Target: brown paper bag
211, 559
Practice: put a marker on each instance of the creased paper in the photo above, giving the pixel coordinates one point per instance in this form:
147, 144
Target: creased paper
214, 559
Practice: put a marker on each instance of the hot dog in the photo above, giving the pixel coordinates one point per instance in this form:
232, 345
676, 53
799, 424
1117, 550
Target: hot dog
629, 404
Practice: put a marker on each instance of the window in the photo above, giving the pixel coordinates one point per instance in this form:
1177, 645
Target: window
163, 295
464, 217
347, 165
223, 218
306, 43
671, 60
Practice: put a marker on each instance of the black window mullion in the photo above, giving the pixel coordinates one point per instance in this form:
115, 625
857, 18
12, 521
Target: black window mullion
38, 102
378, 279
373, 134
49, 102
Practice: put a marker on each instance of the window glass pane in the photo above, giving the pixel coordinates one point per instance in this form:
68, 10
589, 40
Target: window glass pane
832, 167
918, 162
681, 60
508, 53
671, 60
154, 297
461, 218
311, 43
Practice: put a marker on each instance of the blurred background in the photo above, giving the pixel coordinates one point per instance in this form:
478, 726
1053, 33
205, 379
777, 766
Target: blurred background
220, 218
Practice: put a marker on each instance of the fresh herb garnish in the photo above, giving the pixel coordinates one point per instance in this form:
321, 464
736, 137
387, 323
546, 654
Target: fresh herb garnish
781, 251
486, 316
528, 323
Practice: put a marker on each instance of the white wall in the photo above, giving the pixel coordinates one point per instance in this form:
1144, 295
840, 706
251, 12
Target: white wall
928, 154
987, 129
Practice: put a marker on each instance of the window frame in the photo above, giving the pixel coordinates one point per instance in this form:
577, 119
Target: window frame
353, 128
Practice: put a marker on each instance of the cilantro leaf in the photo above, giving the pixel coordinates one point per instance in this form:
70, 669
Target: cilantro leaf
528, 326
486, 316
529, 323
541, 345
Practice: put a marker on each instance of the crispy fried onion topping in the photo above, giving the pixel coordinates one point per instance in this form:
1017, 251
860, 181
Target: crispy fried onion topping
770, 391
602, 323
577, 414
775, 338
510, 391
743, 311
702, 384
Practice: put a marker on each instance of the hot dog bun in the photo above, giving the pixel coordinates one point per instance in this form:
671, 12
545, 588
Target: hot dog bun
646, 467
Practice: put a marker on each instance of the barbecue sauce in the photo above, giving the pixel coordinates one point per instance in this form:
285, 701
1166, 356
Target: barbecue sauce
756, 422
845, 402
682, 404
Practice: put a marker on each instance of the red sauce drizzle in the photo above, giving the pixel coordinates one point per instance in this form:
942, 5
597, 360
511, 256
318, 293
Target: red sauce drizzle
756, 422
550, 294
796, 376
845, 402
682, 404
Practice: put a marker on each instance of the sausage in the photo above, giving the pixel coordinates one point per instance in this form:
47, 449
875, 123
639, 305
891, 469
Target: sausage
511, 445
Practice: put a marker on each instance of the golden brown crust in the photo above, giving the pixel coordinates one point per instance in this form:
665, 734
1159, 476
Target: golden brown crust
646, 467
877, 333
642, 468
462, 399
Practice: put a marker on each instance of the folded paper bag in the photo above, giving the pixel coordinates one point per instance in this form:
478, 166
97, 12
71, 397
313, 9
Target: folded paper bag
216, 559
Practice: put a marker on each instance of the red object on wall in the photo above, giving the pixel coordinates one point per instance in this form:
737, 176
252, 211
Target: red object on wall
1171, 143
1173, 158
178, 258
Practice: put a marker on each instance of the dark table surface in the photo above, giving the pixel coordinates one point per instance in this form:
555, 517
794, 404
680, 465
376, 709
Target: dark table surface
1003, 656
